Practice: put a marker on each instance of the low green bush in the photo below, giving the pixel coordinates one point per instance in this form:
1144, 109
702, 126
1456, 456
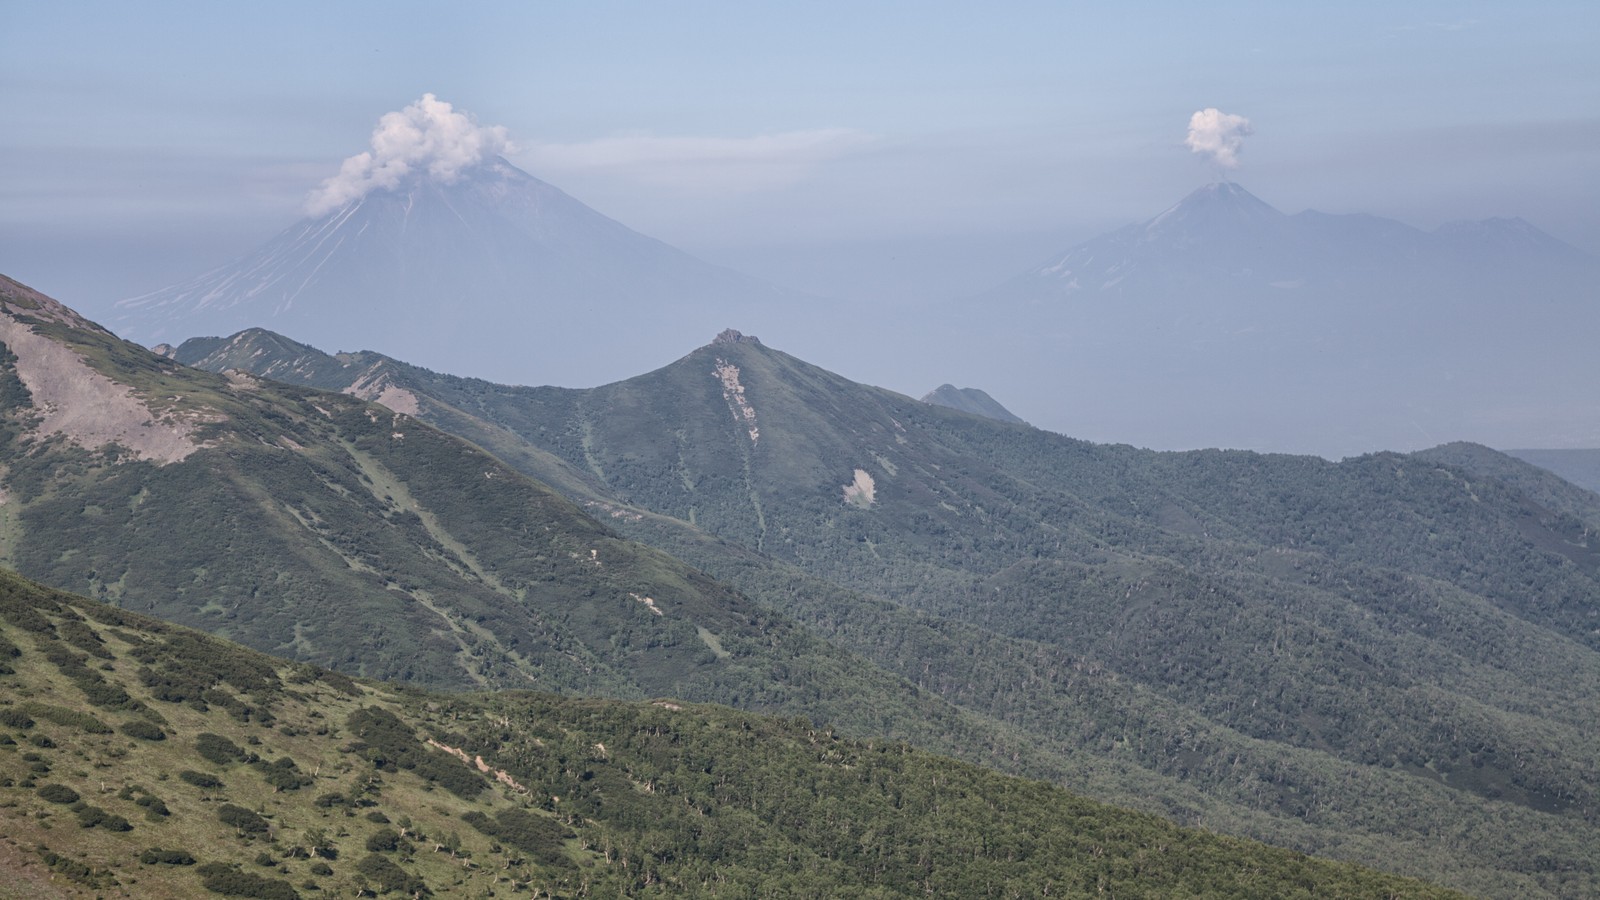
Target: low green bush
200, 779
157, 856
144, 730
58, 793
243, 819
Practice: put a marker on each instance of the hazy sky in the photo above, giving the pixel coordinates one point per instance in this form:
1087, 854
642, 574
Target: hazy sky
894, 150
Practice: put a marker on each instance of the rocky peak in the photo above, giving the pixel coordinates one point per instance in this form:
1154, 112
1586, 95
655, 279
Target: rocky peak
729, 336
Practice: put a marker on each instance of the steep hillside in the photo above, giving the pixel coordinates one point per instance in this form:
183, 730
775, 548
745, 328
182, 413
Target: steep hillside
142, 759
1278, 646
330, 530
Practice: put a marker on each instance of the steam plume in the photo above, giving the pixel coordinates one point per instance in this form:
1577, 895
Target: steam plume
1218, 135
427, 135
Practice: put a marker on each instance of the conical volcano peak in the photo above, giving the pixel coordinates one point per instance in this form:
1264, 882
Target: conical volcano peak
1221, 189
1218, 207
460, 270
1220, 198
428, 137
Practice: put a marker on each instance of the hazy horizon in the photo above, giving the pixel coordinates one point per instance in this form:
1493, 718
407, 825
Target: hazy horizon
890, 156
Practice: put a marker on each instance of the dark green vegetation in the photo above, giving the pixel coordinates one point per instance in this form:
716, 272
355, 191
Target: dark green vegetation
325, 529
1391, 659
554, 796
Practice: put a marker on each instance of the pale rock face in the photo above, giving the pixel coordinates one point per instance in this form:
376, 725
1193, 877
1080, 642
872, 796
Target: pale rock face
863, 491
76, 401
733, 393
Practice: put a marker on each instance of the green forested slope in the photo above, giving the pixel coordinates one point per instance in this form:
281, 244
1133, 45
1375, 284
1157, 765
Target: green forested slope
1391, 658
142, 759
330, 530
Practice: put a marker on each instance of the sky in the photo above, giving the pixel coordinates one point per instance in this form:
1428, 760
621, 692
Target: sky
889, 148
887, 152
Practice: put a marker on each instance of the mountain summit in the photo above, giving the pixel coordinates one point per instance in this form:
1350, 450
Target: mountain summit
489, 270
1223, 235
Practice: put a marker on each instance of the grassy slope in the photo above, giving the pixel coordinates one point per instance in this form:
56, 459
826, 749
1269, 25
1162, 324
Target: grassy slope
610, 798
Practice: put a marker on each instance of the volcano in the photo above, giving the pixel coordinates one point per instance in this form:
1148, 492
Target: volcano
494, 272
1224, 321
1222, 239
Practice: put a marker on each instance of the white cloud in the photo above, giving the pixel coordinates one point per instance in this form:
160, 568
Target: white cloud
1218, 135
429, 135
761, 162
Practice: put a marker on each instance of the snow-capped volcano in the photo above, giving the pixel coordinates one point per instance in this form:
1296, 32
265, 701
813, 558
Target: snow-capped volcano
475, 273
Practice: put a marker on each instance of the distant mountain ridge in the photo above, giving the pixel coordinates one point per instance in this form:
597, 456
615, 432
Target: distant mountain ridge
971, 400
1225, 322
496, 269
1223, 234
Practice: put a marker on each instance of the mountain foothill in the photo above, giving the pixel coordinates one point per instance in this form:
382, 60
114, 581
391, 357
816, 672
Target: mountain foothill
740, 625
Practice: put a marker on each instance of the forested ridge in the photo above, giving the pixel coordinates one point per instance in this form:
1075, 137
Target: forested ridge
1391, 658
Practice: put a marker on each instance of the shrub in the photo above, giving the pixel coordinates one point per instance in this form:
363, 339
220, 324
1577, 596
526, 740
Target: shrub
154, 809
230, 882
157, 856
243, 819
342, 683
58, 793
71, 868
79, 634
144, 730
391, 743
15, 718
93, 816
387, 876
384, 840
283, 774
200, 779
321, 869
539, 836
71, 718
218, 749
